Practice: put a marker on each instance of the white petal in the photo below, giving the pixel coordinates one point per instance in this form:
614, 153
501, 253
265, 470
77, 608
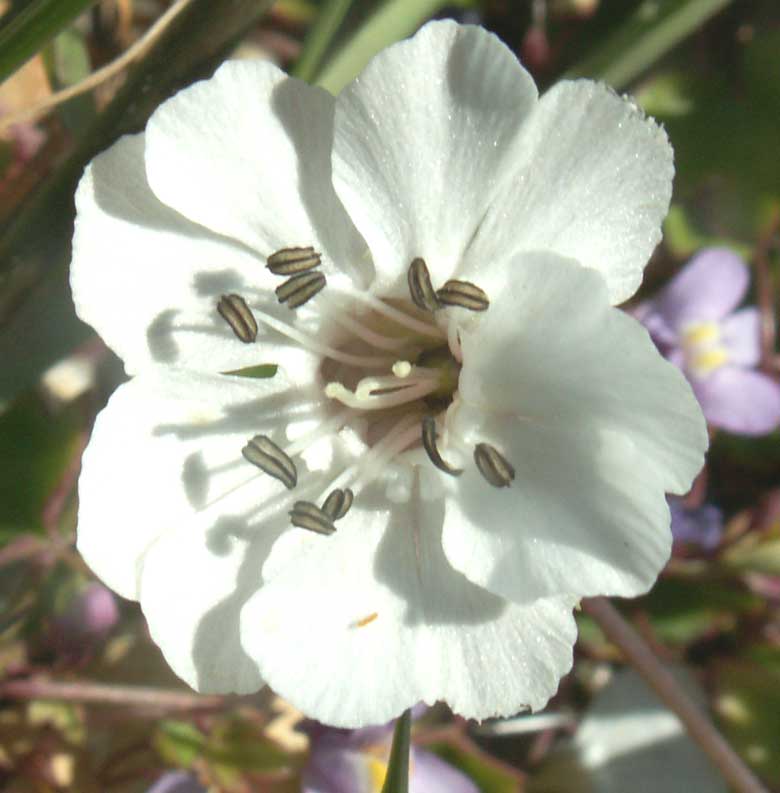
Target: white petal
372, 619
163, 455
593, 183
148, 280
597, 426
247, 154
423, 138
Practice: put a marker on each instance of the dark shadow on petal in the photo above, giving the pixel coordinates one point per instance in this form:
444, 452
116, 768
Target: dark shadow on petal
217, 643
195, 479
437, 594
160, 337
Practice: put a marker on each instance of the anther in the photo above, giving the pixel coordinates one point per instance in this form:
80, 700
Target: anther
268, 457
496, 469
463, 294
420, 287
291, 261
306, 515
234, 310
337, 504
300, 289
429, 444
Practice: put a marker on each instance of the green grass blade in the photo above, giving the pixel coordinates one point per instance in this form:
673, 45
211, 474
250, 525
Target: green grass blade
28, 30
397, 779
648, 34
319, 38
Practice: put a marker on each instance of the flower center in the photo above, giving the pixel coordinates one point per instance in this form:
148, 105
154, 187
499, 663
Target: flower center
704, 353
389, 373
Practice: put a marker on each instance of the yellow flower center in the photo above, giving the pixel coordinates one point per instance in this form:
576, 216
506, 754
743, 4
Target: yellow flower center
703, 351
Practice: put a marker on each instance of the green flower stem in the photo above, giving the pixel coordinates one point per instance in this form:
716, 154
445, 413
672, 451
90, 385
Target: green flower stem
668, 690
395, 20
397, 779
319, 38
648, 34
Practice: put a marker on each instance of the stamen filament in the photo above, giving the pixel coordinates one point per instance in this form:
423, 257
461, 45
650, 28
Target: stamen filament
453, 340
401, 317
370, 384
373, 362
381, 401
366, 334
326, 428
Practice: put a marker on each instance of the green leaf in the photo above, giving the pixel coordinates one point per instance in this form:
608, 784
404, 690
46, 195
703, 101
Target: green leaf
179, 742
395, 20
35, 449
397, 779
31, 28
67, 61
655, 27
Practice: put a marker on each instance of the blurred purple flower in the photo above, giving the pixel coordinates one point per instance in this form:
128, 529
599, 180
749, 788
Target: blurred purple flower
87, 619
355, 761
177, 782
694, 324
701, 526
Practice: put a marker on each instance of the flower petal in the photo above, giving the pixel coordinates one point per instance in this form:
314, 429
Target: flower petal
597, 426
163, 454
592, 182
424, 137
247, 154
708, 288
148, 280
741, 336
391, 623
740, 400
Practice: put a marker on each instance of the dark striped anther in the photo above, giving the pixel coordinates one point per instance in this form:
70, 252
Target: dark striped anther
306, 515
337, 504
234, 310
429, 444
291, 261
496, 469
420, 287
300, 289
463, 294
268, 457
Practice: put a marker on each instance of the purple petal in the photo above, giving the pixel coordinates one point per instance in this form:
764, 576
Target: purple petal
662, 334
742, 401
336, 771
702, 526
177, 782
709, 287
429, 774
741, 335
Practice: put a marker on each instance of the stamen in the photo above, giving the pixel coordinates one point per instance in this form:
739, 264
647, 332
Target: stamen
368, 335
496, 469
300, 289
291, 261
338, 503
453, 341
306, 341
234, 310
367, 620
322, 430
368, 385
429, 444
306, 515
463, 294
401, 396
267, 456
394, 314
420, 287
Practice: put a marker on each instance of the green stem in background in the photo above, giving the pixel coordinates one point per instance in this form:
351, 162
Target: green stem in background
655, 27
28, 30
395, 20
397, 779
668, 690
319, 38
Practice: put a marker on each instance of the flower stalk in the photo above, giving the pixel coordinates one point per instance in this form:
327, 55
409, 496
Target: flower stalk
397, 779
699, 727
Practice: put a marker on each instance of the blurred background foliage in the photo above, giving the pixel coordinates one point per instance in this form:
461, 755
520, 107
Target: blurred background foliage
86, 702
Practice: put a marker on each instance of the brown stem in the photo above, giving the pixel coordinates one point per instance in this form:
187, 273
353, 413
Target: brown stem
98, 693
699, 727
765, 292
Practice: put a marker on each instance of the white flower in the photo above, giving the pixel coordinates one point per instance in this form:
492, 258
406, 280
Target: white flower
433, 586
